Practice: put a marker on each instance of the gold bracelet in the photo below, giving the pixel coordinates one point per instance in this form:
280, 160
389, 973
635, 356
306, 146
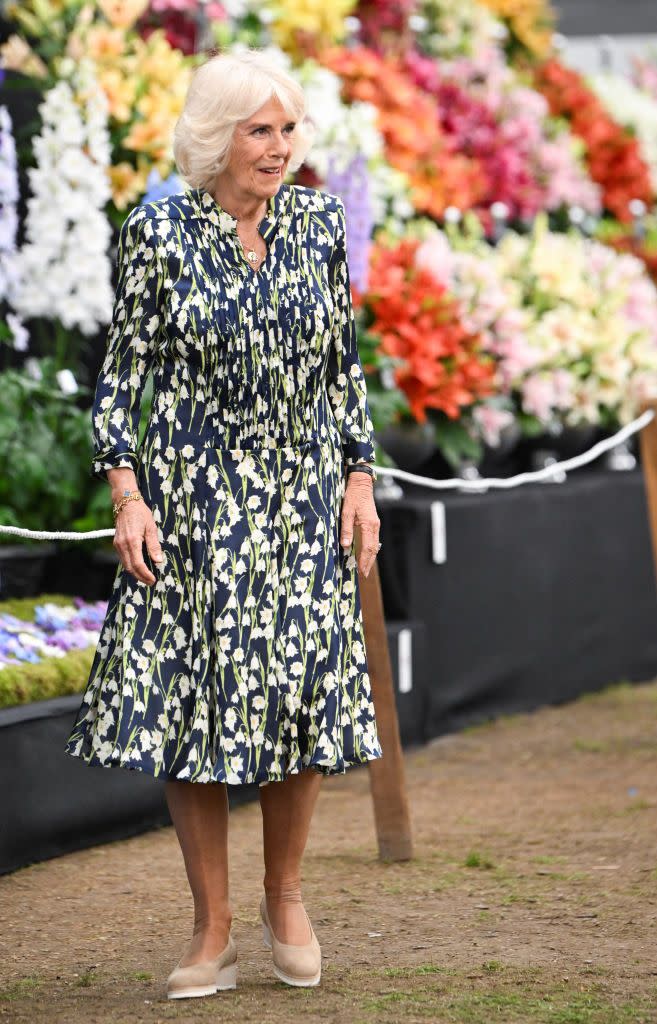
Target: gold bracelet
132, 496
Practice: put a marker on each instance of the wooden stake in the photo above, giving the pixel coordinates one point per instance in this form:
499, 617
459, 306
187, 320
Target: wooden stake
387, 773
648, 443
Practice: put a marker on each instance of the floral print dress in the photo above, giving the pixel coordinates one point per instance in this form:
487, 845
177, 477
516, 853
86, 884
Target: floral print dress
245, 661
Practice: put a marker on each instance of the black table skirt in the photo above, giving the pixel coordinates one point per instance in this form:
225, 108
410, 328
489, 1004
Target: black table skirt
547, 591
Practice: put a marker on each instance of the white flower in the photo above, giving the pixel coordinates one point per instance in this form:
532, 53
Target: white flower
634, 109
63, 271
67, 382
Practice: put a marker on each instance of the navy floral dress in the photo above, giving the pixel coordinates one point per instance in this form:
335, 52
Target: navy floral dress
246, 660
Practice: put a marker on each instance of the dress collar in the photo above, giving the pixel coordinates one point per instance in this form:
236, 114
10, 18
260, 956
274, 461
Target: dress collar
207, 206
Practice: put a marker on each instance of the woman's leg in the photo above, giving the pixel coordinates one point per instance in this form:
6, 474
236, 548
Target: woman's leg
199, 812
287, 810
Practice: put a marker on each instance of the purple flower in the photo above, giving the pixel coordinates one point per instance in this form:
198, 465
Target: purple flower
353, 187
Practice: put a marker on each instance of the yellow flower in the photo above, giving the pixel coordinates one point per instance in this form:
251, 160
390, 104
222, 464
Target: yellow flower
153, 136
127, 183
121, 92
530, 21
16, 55
123, 13
105, 43
158, 62
300, 25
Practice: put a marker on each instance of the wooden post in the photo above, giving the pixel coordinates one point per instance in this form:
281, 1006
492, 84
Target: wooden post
648, 443
387, 774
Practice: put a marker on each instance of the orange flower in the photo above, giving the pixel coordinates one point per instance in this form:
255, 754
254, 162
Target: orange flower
416, 320
439, 177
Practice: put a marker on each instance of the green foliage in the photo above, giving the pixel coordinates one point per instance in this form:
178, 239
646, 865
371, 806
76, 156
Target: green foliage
455, 441
45, 451
45, 457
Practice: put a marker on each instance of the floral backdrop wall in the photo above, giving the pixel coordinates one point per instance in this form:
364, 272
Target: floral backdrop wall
500, 205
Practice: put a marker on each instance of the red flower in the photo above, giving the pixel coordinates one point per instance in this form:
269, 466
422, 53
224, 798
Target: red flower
612, 154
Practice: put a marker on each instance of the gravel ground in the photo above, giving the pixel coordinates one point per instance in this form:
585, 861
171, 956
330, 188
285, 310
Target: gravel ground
532, 895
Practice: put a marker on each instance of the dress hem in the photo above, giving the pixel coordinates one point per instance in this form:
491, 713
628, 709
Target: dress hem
337, 768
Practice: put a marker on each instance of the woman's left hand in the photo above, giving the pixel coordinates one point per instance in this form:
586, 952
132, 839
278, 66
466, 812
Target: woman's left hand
358, 509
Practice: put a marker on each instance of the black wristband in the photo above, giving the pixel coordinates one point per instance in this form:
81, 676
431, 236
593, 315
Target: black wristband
361, 467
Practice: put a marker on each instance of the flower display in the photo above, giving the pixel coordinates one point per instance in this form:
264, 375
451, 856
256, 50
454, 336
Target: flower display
612, 155
489, 305
306, 27
593, 327
633, 108
439, 176
352, 185
457, 28
144, 80
530, 23
9, 194
644, 74
63, 270
417, 110
443, 366
624, 239
17, 55
384, 24
345, 132
571, 324
528, 162
56, 630
181, 21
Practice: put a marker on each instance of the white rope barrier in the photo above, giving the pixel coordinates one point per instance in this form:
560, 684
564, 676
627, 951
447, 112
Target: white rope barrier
536, 476
460, 483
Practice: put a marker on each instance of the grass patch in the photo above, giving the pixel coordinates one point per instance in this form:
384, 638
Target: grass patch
636, 805
478, 860
558, 1008
591, 746
24, 987
86, 979
412, 972
494, 991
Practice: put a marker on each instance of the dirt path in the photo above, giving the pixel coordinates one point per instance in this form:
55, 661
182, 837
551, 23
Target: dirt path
532, 896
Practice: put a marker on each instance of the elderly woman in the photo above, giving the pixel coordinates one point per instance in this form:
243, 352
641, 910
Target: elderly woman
232, 651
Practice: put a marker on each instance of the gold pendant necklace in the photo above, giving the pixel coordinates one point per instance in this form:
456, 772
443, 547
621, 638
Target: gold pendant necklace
249, 252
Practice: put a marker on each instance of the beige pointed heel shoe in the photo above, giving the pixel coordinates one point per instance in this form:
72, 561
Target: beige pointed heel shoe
295, 965
206, 977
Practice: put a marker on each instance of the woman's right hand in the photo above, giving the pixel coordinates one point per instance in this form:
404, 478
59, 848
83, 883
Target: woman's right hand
135, 525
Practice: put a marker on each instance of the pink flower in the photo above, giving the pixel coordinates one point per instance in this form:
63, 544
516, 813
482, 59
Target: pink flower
492, 422
435, 256
544, 393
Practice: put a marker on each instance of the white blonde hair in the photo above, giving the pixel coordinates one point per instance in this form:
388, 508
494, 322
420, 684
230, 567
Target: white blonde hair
226, 89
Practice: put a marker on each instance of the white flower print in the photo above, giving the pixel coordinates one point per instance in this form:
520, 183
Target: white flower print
246, 660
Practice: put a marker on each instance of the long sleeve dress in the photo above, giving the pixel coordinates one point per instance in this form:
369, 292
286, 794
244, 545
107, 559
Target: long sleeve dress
245, 661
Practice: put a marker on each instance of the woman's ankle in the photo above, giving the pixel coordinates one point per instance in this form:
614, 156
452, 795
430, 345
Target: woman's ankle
217, 924
282, 890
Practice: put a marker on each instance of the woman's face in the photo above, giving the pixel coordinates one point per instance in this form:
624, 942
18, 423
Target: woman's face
261, 151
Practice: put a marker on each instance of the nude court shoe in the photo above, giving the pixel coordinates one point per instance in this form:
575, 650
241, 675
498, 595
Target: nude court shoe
206, 977
296, 965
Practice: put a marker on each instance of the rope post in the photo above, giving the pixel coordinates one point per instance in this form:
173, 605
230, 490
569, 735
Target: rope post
648, 447
387, 773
